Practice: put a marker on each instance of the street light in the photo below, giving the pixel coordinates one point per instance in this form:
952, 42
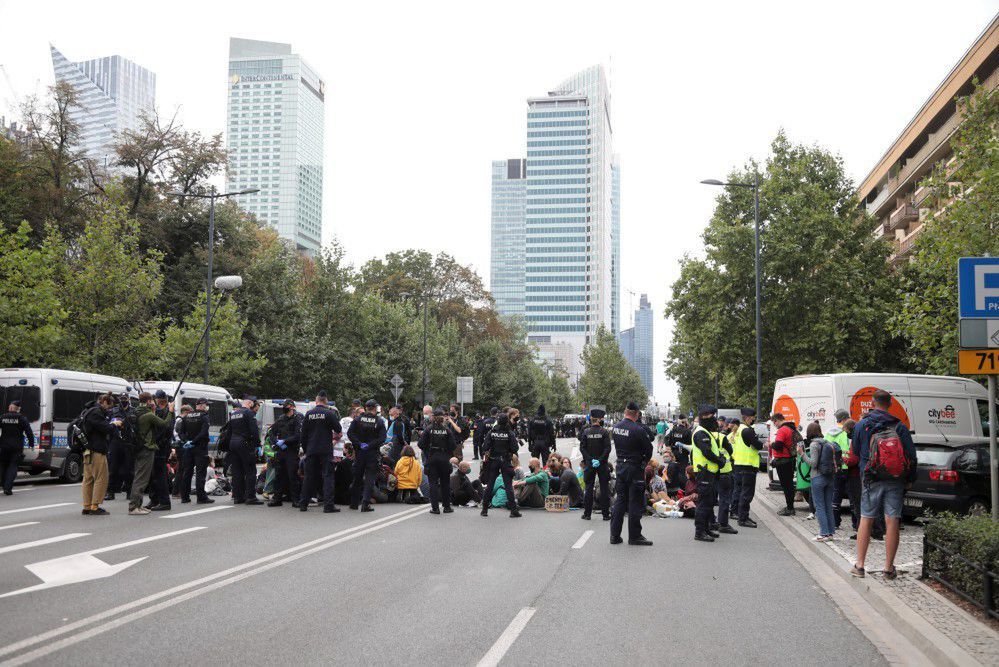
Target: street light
211, 195
755, 185
224, 284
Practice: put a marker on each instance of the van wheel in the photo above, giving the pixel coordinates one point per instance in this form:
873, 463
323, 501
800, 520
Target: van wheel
72, 469
978, 507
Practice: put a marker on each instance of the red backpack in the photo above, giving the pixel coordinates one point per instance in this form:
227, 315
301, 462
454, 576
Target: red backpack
886, 457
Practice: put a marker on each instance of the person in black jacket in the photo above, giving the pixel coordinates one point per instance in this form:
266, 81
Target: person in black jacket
194, 453
437, 444
481, 429
498, 447
708, 458
541, 435
14, 428
121, 460
98, 430
286, 435
366, 433
595, 448
317, 434
633, 447
242, 457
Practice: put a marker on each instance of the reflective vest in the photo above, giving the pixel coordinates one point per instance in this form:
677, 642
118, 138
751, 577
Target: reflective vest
700, 461
728, 459
843, 440
743, 454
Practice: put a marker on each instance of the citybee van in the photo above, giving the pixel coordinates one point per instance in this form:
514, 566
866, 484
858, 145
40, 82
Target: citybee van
937, 409
219, 400
51, 398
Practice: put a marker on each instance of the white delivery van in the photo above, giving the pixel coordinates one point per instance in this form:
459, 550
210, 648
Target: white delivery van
51, 398
220, 403
937, 409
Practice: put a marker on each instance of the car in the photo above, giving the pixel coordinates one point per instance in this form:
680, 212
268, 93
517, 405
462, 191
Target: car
950, 479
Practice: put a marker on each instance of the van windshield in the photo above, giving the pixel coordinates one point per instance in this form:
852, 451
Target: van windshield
29, 396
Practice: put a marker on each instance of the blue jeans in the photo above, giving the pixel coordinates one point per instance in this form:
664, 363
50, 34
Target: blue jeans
822, 497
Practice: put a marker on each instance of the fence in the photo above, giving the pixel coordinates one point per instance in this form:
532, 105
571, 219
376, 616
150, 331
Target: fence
987, 603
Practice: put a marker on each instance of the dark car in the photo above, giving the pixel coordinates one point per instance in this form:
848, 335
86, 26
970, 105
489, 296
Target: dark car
950, 479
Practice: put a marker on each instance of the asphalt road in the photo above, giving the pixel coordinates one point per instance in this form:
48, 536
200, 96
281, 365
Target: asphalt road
259, 585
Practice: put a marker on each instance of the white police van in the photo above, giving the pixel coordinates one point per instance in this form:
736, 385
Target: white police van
51, 398
220, 402
272, 408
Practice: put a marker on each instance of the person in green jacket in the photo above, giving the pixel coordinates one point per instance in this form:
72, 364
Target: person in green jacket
533, 489
803, 482
147, 425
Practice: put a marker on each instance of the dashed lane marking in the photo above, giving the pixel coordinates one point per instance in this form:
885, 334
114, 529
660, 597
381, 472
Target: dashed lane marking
582, 540
38, 507
195, 512
19, 525
38, 543
506, 640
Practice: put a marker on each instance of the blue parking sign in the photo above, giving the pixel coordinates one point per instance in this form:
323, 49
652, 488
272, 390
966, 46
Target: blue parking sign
978, 287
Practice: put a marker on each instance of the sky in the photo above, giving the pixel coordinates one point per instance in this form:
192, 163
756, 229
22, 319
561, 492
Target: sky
422, 96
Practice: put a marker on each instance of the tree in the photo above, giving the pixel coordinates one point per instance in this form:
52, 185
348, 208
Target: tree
145, 153
608, 378
554, 390
828, 291
32, 312
964, 222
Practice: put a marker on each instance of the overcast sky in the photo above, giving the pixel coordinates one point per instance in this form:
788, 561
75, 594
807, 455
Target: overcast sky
421, 96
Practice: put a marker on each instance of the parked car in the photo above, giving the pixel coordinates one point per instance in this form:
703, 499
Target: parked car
950, 479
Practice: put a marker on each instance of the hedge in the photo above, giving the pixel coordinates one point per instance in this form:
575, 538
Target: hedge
976, 538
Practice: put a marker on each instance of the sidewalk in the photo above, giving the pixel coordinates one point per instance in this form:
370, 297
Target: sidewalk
938, 626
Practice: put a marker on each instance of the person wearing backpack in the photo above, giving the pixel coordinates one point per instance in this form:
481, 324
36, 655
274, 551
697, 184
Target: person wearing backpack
120, 458
98, 429
888, 466
148, 425
820, 455
839, 437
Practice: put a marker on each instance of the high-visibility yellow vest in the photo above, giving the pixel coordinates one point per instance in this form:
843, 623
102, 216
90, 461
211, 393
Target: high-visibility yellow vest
728, 459
743, 454
843, 440
701, 462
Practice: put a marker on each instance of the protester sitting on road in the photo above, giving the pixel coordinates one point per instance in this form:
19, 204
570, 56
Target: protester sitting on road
408, 474
821, 459
673, 473
518, 472
568, 483
688, 504
463, 489
655, 485
533, 489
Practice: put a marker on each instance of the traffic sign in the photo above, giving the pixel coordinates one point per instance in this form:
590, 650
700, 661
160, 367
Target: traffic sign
464, 393
396, 381
978, 287
978, 362
978, 333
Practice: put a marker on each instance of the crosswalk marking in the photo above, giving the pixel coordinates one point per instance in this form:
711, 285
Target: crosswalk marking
37, 507
19, 525
38, 543
193, 512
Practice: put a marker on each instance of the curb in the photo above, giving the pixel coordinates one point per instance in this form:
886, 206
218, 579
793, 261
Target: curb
935, 645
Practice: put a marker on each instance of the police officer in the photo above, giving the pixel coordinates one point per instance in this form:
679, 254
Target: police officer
541, 435
317, 429
193, 453
14, 428
746, 448
633, 447
708, 459
438, 444
726, 480
481, 429
121, 459
366, 433
595, 448
498, 447
286, 434
242, 457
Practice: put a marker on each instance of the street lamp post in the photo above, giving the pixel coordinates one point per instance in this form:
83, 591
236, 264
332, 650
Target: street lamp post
755, 185
211, 195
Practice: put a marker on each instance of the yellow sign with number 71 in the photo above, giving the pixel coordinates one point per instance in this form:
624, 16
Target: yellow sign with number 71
978, 362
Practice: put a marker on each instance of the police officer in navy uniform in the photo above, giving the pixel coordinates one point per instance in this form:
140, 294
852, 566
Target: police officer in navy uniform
287, 435
541, 435
367, 434
498, 447
708, 458
121, 457
14, 428
318, 427
194, 453
595, 448
633, 447
242, 458
438, 443
483, 427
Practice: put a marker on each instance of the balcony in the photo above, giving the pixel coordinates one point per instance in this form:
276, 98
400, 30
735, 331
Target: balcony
905, 245
920, 195
903, 215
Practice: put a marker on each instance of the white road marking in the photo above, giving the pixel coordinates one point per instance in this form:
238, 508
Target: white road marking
38, 543
193, 512
18, 525
582, 540
143, 540
38, 507
506, 640
200, 588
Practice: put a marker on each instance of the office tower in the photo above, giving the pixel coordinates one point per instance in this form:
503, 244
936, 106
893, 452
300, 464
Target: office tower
275, 118
636, 343
112, 95
506, 266
571, 218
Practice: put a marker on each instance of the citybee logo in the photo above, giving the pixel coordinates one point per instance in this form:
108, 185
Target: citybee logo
945, 416
816, 415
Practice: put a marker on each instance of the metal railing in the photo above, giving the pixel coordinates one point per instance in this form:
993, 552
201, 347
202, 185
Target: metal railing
988, 602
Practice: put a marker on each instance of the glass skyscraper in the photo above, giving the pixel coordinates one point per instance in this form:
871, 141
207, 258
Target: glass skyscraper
112, 93
636, 343
506, 266
276, 110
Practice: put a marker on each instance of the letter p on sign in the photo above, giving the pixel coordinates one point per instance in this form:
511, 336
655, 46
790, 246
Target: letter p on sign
978, 287
983, 293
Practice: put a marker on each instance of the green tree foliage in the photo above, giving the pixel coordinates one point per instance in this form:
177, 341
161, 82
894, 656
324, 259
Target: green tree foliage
964, 223
828, 293
608, 378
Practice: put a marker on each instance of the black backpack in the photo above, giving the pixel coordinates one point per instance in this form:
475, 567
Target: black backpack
76, 435
225, 436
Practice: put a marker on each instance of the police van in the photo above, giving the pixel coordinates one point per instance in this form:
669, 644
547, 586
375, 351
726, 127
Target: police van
51, 398
272, 408
937, 409
220, 403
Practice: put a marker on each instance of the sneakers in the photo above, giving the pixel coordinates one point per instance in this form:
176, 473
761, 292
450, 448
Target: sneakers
810, 517
727, 529
703, 537
785, 512
820, 538
367, 508
138, 511
100, 511
747, 523
858, 572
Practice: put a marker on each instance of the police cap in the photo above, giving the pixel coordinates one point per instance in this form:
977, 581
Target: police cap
288, 403
438, 412
371, 403
16, 403
747, 412
633, 406
597, 413
707, 409
201, 401
160, 394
